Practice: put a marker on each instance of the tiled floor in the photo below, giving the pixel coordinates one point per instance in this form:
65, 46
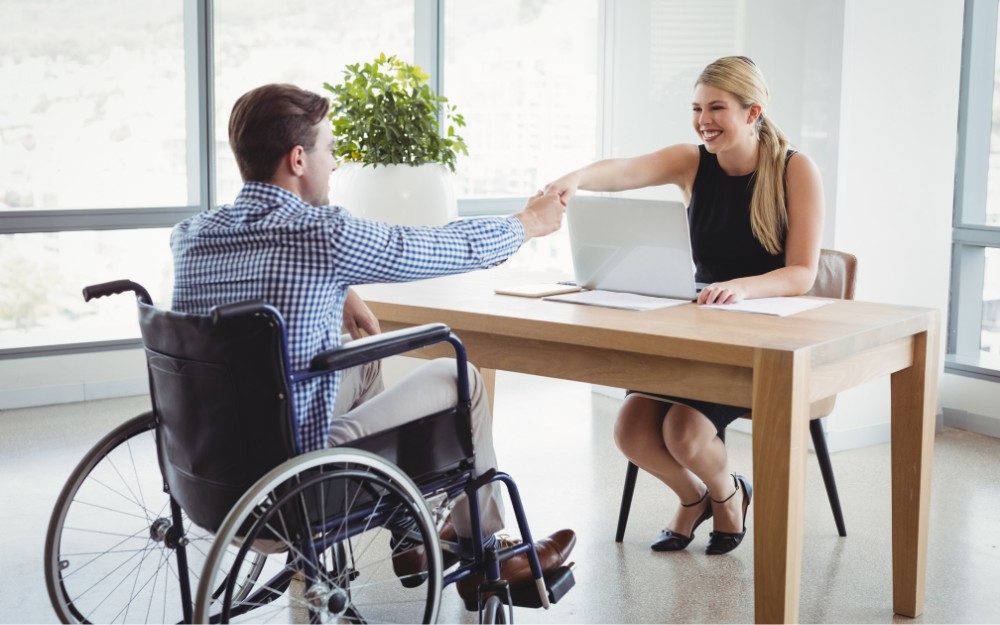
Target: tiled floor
555, 439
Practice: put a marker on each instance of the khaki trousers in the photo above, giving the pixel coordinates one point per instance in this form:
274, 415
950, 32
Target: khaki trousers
365, 406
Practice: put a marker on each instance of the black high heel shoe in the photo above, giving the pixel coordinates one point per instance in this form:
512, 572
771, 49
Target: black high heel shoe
724, 542
670, 540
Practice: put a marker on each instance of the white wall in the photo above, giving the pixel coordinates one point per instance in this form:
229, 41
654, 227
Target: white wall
71, 378
898, 120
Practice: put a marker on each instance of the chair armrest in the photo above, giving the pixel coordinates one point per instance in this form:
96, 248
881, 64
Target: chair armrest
379, 346
238, 309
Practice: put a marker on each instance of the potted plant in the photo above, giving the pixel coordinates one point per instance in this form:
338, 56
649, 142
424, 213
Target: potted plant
398, 164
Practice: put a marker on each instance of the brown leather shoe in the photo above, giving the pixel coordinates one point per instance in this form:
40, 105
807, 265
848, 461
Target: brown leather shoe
410, 566
552, 553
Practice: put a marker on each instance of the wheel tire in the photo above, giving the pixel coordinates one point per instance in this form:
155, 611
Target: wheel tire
111, 551
345, 572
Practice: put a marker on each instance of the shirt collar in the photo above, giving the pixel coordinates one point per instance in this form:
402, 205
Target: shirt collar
261, 195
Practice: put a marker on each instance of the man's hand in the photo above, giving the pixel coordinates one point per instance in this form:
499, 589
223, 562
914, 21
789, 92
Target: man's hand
542, 214
359, 320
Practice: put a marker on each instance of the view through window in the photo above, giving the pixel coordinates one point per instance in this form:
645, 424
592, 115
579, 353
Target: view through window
302, 42
524, 73
87, 122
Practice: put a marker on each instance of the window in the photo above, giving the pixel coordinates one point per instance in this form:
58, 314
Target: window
103, 142
525, 76
93, 121
305, 43
524, 73
43, 274
974, 320
98, 155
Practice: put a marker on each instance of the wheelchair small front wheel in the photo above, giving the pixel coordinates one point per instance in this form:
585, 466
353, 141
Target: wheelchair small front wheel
360, 545
494, 610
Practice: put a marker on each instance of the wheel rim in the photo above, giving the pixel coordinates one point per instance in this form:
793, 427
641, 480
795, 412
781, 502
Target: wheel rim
111, 546
368, 588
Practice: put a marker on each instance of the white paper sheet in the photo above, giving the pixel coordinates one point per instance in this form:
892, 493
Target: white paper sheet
780, 306
612, 299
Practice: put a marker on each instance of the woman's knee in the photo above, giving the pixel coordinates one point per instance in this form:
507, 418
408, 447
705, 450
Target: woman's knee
687, 438
686, 433
636, 427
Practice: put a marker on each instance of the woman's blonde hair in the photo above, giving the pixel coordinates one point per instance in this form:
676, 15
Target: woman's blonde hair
768, 215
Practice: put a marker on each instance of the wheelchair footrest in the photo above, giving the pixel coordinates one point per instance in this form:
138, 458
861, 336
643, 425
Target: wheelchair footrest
558, 582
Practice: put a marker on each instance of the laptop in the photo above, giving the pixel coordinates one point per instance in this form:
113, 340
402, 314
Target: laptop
631, 246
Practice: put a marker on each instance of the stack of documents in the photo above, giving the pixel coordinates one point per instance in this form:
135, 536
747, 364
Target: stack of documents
780, 306
613, 299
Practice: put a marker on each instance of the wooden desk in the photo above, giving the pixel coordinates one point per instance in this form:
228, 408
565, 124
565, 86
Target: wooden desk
775, 365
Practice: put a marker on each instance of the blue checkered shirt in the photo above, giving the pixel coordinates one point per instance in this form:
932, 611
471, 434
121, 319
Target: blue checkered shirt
273, 246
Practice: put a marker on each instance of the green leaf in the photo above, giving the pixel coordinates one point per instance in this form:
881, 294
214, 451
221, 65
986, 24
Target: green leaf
385, 112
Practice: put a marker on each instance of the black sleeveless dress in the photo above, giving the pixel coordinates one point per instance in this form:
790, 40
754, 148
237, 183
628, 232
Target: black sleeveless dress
724, 248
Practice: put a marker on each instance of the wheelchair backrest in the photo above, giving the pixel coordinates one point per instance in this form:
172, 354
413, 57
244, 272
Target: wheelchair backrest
221, 393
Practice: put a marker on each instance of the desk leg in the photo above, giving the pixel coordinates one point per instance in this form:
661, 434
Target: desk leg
780, 415
914, 402
490, 380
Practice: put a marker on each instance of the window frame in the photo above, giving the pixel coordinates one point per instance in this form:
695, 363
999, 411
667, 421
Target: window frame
970, 236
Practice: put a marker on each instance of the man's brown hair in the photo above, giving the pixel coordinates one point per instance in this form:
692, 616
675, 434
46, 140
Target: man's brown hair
269, 121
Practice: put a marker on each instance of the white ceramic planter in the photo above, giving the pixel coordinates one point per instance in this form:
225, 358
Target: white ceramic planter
423, 195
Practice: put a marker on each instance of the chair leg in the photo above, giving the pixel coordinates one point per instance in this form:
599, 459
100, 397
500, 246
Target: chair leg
826, 468
631, 472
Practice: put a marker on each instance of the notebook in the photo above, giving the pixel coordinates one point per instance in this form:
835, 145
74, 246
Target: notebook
631, 246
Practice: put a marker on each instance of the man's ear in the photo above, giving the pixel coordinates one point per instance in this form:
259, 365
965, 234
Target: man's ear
295, 160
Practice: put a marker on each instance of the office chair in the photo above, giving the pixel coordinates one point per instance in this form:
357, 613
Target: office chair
835, 278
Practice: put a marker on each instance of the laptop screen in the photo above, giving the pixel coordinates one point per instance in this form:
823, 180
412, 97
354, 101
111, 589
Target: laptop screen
631, 245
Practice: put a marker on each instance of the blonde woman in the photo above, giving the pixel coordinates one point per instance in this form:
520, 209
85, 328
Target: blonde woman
756, 215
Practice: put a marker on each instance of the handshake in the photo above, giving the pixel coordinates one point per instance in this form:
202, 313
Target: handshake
544, 211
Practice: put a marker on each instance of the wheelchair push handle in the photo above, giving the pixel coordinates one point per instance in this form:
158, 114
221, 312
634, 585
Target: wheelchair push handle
114, 288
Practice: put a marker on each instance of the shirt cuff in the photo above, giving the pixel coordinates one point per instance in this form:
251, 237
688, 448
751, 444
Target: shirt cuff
517, 226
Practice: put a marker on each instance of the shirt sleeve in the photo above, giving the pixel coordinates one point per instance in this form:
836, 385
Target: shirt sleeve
366, 251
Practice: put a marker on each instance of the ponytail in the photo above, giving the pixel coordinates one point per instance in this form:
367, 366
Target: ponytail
768, 213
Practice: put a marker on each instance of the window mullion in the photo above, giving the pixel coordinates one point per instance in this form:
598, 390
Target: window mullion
200, 101
975, 111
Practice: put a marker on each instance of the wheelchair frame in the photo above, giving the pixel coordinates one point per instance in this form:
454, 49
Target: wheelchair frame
276, 519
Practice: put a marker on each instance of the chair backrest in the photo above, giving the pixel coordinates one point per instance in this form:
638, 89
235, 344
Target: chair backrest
836, 275
223, 402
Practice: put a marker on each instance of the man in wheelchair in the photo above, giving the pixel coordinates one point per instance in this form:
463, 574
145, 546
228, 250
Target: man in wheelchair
282, 243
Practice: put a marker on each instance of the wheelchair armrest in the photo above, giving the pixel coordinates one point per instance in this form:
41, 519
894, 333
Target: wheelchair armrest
379, 346
237, 309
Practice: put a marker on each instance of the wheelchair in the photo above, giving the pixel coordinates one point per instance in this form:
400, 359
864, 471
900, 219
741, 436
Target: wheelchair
205, 510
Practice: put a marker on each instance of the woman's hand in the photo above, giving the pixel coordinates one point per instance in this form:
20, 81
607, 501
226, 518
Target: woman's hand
565, 187
359, 320
723, 293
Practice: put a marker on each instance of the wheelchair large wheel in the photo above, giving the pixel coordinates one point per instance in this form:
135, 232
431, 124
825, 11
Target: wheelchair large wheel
113, 550
340, 516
